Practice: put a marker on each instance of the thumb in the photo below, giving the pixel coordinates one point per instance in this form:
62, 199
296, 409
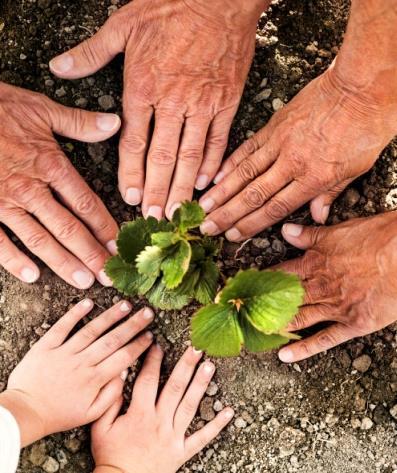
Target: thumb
81, 125
300, 236
94, 53
320, 206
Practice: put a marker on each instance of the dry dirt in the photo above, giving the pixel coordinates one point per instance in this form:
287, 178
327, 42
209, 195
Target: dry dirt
307, 417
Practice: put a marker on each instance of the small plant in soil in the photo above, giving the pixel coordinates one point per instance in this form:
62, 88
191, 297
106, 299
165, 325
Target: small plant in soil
253, 310
168, 262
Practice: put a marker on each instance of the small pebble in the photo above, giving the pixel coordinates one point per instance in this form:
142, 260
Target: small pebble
362, 363
50, 465
277, 104
366, 423
212, 389
240, 423
106, 102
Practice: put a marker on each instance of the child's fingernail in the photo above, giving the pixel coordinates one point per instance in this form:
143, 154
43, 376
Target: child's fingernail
125, 307
233, 234
228, 413
207, 204
219, 177
286, 355
293, 230
124, 375
104, 279
87, 303
208, 368
112, 247
202, 182
63, 63
148, 314
29, 275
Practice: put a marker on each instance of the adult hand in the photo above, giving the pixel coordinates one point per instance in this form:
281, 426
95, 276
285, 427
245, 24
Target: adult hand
349, 272
310, 151
70, 234
65, 382
185, 68
151, 436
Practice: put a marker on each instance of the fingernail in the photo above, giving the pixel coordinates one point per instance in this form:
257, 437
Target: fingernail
124, 375
286, 355
325, 213
125, 307
207, 204
112, 247
233, 235
208, 368
83, 279
133, 196
148, 314
219, 177
108, 121
87, 303
149, 335
292, 230
29, 275
202, 182
209, 228
104, 279
63, 63
228, 413
197, 352
174, 208
155, 211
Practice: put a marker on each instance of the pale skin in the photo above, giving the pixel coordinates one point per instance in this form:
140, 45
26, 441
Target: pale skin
63, 382
151, 436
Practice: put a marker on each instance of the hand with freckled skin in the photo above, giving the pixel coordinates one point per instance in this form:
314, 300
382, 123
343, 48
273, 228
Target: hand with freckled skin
43, 199
186, 62
349, 272
329, 134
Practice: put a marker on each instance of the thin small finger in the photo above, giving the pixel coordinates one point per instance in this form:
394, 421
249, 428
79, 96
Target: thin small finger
59, 332
97, 327
191, 401
199, 440
110, 343
107, 397
322, 341
16, 262
177, 384
104, 423
124, 357
146, 386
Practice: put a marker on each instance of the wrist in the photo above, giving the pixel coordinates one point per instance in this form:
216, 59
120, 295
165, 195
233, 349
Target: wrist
30, 424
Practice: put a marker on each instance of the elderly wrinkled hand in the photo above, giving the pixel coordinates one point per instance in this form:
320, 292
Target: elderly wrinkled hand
185, 67
349, 272
43, 199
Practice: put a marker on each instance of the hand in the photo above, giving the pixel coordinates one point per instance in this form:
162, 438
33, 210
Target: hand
151, 436
64, 382
185, 68
349, 272
310, 151
69, 234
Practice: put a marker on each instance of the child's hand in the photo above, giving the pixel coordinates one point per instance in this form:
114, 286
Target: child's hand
151, 436
62, 384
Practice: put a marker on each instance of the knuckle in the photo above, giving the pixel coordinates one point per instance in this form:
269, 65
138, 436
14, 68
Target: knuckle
224, 216
113, 341
86, 203
133, 144
189, 407
89, 52
254, 196
149, 379
277, 209
55, 168
89, 333
217, 141
162, 157
326, 340
22, 190
176, 386
251, 145
68, 229
191, 156
246, 170
93, 257
157, 191
37, 240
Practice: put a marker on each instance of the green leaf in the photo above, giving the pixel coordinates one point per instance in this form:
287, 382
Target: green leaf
271, 299
166, 299
126, 278
256, 341
207, 281
149, 261
135, 236
189, 215
176, 264
211, 246
165, 239
216, 330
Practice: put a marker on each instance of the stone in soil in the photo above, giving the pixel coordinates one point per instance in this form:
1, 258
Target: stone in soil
362, 363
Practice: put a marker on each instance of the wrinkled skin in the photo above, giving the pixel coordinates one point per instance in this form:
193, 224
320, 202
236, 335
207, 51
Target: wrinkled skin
349, 272
151, 436
311, 150
43, 199
67, 381
186, 63
329, 134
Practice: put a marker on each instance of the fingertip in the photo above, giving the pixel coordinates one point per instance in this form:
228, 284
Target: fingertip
219, 177
228, 414
108, 122
62, 64
30, 274
286, 355
87, 303
291, 231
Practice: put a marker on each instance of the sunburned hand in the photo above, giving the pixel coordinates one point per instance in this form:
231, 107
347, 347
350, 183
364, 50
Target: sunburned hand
151, 436
350, 276
64, 382
185, 67
310, 151
43, 200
